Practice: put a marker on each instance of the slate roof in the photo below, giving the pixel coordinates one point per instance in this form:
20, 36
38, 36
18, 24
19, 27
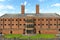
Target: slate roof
18, 15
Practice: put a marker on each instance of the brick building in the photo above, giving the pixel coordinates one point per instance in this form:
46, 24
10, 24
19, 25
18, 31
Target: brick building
38, 23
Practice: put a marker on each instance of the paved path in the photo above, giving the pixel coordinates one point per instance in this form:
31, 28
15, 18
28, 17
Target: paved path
1, 38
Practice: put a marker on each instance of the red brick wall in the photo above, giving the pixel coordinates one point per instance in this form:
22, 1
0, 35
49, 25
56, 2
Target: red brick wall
16, 28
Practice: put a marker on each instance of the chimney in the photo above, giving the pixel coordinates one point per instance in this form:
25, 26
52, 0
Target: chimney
37, 9
22, 9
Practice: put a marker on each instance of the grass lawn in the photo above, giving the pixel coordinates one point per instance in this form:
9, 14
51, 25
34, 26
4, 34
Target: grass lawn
43, 36
32, 37
12, 35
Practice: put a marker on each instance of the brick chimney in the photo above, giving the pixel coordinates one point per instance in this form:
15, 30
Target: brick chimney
22, 9
37, 9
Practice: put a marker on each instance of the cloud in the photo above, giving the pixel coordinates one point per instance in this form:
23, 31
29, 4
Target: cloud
40, 10
26, 10
9, 7
6, 7
58, 12
56, 5
2, 0
3, 12
2, 7
25, 3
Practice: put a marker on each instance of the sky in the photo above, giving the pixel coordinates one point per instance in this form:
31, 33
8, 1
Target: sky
14, 6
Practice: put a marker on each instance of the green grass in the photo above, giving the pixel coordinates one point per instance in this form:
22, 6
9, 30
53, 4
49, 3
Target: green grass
24, 37
43, 36
12, 35
32, 37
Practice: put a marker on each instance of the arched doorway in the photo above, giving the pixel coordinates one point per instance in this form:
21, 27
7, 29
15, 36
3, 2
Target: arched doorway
0, 32
39, 32
24, 31
59, 29
10, 32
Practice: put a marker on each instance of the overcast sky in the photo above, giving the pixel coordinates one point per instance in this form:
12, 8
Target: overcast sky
13, 6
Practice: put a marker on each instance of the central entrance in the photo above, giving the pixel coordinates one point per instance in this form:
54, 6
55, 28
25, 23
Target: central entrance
29, 26
30, 31
27, 31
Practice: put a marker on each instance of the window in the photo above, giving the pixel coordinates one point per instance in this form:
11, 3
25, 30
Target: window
38, 19
23, 24
12, 24
8, 19
35, 24
55, 24
5, 19
34, 19
30, 25
12, 19
59, 29
1, 19
42, 19
42, 24
59, 19
20, 19
20, 24
50, 24
38, 24
59, 24
24, 19
16, 20
54, 19
50, 19
1, 24
46, 24
46, 19
5, 24
9, 24
16, 24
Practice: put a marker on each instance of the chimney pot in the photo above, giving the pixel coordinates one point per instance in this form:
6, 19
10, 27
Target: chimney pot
22, 9
37, 9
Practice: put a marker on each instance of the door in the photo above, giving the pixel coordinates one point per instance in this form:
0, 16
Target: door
10, 32
24, 31
39, 32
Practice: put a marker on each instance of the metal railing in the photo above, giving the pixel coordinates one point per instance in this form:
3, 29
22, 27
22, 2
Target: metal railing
29, 25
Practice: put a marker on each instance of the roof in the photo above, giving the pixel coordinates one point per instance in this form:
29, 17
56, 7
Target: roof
30, 14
